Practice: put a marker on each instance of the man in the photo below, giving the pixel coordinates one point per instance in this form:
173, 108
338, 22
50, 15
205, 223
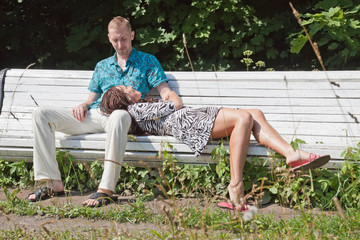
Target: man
127, 67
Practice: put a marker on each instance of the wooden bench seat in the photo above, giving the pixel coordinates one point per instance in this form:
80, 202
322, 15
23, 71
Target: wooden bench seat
323, 109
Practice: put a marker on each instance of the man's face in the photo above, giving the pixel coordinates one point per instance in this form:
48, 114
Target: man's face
121, 38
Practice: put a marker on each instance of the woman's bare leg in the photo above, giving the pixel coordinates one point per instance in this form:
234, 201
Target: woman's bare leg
266, 135
238, 125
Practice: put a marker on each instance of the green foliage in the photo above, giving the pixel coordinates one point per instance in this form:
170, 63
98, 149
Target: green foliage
11, 197
15, 174
336, 30
248, 61
315, 188
192, 180
74, 174
191, 223
350, 178
217, 32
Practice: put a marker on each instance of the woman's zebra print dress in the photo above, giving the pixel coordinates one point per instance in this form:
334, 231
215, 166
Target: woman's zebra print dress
193, 126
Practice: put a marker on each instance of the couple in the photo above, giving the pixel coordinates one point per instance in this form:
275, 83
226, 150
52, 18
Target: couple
141, 71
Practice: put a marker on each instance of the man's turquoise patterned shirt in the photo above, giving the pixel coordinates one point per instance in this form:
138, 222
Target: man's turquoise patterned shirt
143, 72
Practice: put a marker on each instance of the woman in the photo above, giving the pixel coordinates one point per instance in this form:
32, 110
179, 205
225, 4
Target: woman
195, 126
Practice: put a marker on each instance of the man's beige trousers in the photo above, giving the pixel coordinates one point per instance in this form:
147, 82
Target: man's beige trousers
46, 121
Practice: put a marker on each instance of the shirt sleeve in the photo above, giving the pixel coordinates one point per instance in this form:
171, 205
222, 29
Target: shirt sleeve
157, 74
94, 85
151, 111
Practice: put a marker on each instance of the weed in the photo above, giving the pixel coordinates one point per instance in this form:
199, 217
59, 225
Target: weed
315, 188
16, 174
248, 61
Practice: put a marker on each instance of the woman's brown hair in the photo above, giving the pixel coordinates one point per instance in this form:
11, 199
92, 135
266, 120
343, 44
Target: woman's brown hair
114, 99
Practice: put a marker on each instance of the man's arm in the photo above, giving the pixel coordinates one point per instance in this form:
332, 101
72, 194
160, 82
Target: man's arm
168, 95
80, 112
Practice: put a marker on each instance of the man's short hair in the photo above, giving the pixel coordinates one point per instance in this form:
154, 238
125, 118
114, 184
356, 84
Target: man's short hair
118, 22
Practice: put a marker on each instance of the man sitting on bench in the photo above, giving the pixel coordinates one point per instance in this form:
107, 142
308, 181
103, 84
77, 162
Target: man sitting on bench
127, 67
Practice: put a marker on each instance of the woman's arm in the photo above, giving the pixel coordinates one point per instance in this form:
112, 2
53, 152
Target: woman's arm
151, 110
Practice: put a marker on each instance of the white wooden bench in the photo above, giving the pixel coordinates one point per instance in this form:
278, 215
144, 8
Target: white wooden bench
304, 105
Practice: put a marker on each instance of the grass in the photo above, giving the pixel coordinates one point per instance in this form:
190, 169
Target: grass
197, 221
173, 221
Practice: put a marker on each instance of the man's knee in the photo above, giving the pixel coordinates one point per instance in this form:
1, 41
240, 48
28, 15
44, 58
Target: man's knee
120, 118
38, 113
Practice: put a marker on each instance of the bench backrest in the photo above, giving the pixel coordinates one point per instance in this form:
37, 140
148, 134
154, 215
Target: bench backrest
321, 108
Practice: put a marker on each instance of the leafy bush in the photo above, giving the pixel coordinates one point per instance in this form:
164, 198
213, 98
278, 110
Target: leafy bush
15, 174
315, 188
335, 29
217, 32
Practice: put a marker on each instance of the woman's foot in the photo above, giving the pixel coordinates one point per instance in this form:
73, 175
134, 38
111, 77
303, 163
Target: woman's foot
301, 159
296, 157
236, 193
56, 186
237, 207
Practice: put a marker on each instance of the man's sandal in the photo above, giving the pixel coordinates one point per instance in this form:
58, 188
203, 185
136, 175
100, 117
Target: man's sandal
44, 193
314, 161
102, 199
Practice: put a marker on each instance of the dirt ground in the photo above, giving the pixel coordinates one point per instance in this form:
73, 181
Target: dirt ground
34, 223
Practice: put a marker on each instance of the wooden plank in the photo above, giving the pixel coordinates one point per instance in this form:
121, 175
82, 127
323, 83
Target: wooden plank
51, 82
273, 76
38, 96
335, 141
266, 101
271, 117
182, 84
314, 110
204, 92
253, 85
133, 158
24, 99
46, 89
283, 127
340, 140
278, 117
319, 131
268, 93
254, 150
153, 144
46, 73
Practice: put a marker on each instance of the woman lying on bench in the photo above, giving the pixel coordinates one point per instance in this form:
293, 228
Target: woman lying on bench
194, 126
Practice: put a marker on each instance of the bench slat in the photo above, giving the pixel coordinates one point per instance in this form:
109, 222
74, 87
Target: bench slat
328, 129
282, 117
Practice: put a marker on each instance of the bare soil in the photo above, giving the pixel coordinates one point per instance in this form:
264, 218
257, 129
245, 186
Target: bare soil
35, 223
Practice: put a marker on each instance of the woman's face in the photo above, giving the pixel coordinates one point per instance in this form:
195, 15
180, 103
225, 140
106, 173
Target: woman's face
131, 93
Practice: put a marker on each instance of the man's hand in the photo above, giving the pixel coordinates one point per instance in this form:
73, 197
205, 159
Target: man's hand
168, 95
80, 112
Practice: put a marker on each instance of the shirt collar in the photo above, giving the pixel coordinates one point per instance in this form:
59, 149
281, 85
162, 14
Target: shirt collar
132, 56
131, 59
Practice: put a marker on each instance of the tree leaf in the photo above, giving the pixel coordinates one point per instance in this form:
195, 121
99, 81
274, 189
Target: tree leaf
298, 43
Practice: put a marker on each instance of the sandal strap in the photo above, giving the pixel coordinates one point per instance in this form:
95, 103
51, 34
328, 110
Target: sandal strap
313, 156
42, 193
103, 198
